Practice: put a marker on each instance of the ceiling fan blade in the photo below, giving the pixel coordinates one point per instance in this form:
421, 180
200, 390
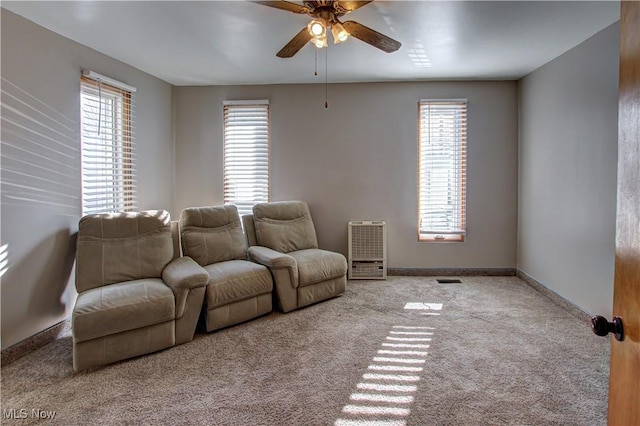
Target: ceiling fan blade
372, 37
349, 6
295, 44
284, 5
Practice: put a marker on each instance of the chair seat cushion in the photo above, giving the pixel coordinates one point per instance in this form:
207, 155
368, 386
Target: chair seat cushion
121, 307
236, 280
316, 265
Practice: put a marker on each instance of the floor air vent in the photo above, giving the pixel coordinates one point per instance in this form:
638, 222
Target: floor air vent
367, 250
448, 281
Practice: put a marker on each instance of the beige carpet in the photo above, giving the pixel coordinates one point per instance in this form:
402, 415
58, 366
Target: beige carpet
489, 351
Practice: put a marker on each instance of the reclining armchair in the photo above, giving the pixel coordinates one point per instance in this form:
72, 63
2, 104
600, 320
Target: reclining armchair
135, 295
237, 290
281, 236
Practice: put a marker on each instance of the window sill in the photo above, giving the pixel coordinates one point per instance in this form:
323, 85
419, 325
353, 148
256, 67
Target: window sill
441, 238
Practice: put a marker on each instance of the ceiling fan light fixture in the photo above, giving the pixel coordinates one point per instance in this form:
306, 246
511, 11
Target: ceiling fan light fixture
339, 33
325, 14
317, 28
320, 42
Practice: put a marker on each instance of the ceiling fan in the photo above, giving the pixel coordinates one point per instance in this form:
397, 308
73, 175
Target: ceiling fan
326, 14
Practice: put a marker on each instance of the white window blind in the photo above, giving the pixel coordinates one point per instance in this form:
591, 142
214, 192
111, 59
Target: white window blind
246, 154
442, 170
108, 172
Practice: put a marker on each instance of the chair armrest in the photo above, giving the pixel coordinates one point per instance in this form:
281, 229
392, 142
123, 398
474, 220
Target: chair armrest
184, 273
284, 269
270, 258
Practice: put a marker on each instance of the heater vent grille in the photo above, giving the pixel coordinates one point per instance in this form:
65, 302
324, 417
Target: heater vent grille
367, 250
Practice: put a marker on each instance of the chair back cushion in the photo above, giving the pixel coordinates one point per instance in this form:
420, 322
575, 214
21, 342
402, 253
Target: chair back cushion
284, 226
212, 234
118, 247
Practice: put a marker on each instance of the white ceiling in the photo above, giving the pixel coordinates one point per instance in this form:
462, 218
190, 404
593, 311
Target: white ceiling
235, 42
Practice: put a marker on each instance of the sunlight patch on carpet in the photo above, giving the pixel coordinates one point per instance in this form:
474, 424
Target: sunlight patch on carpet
387, 388
409, 339
388, 352
391, 377
399, 360
363, 409
375, 397
424, 306
386, 384
405, 345
395, 368
343, 422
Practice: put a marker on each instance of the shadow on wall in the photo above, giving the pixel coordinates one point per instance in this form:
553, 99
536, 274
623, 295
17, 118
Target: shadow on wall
47, 270
55, 275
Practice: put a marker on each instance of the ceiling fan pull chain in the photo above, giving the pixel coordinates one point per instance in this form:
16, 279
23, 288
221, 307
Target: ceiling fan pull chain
326, 74
315, 67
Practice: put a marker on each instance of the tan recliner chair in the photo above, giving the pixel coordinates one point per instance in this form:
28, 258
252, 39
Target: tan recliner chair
238, 290
134, 296
282, 236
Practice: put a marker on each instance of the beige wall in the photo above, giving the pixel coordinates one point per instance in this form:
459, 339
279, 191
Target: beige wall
567, 172
357, 160
40, 204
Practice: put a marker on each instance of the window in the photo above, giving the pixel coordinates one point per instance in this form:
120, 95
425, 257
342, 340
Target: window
246, 154
442, 134
108, 174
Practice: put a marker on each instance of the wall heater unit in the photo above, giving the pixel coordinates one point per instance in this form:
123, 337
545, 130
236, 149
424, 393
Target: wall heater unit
367, 250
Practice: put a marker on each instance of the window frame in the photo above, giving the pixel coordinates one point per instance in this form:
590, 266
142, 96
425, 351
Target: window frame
119, 143
263, 149
456, 233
